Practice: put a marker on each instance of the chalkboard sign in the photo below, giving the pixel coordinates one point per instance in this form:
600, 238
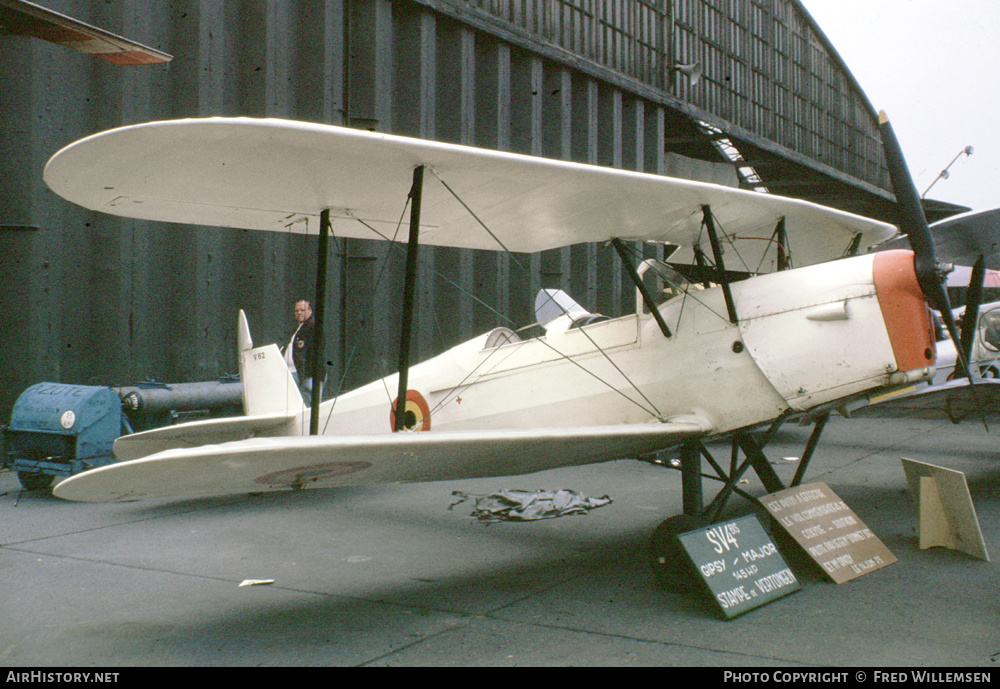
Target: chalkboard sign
828, 530
740, 564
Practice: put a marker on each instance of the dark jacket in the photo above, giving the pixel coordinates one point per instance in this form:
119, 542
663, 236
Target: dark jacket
302, 349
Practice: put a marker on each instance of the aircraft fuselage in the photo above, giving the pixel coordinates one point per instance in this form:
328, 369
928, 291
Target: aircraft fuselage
803, 338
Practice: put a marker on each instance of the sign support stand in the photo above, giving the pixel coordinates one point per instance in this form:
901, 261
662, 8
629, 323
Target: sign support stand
947, 517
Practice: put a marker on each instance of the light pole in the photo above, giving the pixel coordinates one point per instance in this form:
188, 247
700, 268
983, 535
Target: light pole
944, 173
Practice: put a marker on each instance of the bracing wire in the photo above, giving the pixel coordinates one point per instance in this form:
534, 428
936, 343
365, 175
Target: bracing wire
655, 411
357, 340
424, 264
514, 260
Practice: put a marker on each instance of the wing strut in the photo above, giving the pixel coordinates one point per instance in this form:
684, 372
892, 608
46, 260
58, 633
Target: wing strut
719, 264
784, 259
646, 297
970, 319
319, 342
702, 261
409, 289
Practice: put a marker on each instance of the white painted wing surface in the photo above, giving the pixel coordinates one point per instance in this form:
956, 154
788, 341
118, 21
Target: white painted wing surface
954, 400
268, 174
19, 16
263, 464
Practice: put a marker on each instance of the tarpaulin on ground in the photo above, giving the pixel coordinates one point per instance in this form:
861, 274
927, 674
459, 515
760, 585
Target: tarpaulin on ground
522, 505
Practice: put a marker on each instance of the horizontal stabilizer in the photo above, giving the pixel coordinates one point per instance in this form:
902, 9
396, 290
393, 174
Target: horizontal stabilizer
262, 464
197, 433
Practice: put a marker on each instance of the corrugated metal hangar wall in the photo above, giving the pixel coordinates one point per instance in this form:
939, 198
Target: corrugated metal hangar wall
89, 298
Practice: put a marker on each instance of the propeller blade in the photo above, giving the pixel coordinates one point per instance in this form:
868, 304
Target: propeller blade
973, 300
930, 274
912, 221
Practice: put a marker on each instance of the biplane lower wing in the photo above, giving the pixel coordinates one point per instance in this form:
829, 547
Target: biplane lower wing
954, 400
263, 464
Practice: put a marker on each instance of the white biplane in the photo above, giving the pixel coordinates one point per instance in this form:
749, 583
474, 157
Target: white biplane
689, 365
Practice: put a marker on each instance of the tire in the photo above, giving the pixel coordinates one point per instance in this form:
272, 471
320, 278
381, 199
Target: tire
671, 566
33, 481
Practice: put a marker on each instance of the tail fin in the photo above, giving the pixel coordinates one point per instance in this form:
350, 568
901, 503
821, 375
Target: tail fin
243, 339
268, 386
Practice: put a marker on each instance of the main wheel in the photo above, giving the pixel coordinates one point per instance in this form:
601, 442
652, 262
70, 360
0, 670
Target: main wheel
671, 566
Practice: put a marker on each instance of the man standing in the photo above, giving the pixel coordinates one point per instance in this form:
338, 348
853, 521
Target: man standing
299, 351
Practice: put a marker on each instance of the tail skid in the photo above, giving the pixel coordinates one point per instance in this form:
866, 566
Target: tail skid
268, 385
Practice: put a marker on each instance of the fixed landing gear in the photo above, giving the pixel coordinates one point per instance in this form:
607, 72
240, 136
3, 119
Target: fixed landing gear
667, 559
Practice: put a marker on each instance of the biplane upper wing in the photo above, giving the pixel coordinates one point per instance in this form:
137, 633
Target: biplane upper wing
268, 174
261, 464
21, 17
962, 238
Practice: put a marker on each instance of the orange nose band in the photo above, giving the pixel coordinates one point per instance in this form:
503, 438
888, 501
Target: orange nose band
904, 310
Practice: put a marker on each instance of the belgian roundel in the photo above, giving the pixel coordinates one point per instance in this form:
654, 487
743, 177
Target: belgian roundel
418, 413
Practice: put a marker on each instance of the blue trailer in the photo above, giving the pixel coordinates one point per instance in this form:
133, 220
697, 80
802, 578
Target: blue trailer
58, 430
